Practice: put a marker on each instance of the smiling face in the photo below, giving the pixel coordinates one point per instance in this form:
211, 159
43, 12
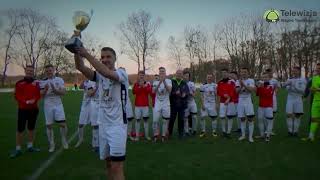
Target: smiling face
296, 72
209, 78
49, 72
108, 59
29, 72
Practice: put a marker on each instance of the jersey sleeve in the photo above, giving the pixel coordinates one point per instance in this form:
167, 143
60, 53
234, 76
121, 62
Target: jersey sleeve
123, 77
169, 82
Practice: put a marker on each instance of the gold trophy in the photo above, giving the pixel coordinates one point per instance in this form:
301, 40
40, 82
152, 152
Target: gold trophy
80, 20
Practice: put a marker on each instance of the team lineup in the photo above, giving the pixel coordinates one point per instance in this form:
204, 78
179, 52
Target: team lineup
106, 106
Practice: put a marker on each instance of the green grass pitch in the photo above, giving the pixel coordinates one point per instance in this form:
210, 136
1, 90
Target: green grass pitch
188, 159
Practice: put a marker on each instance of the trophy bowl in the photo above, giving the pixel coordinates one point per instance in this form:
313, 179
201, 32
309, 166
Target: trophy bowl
81, 21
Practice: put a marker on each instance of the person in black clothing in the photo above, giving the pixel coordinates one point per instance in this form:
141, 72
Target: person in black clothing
178, 101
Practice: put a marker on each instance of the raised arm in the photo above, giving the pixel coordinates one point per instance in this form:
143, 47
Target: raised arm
101, 68
86, 71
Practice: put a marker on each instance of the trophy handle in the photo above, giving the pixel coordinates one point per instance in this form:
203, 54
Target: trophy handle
77, 33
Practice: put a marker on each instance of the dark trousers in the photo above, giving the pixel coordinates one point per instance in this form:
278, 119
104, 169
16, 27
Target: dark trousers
174, 112
190, 121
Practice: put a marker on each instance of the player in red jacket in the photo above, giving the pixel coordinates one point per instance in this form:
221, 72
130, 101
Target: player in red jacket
225, 92
235, 99
141, 90
265, 92
27, 94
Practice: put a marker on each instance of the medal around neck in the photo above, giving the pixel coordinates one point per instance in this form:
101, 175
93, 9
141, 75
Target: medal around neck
81, 21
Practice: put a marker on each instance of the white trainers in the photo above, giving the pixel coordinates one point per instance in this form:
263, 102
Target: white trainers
241, 138
251, 140
65, 145
148, 138
51, 147
132, 138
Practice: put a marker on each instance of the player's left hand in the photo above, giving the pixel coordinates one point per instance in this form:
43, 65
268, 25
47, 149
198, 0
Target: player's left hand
82, 52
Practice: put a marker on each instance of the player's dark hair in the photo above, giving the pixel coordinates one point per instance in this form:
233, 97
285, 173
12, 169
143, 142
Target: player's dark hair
234, 72
245, 68
224, 69
297, 68
141, 72
109, 49
269, 70
29, 66
162, 68
48, 66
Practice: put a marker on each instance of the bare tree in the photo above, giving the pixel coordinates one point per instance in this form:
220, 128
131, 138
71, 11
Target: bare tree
176, 51
34, 33
10, 33
138, 37
55, 54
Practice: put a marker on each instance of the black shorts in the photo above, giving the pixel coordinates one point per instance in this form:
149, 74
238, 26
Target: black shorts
27, 115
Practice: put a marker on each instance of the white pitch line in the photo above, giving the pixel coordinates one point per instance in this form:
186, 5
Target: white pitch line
48, 162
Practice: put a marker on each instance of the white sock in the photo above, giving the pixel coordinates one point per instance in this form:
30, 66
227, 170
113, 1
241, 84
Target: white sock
146, 128
155, 128
251, 127
63, 133
18, 148
164, 127
186, 125
243, 128
269, 127
95, 137
214, 125
29, 145
203, 124
296, 125
194, 122
261, 126
239, 123
290, 124
311, 135
50, 136
230, 122
137, 127
80, 133
223, 125
130, 127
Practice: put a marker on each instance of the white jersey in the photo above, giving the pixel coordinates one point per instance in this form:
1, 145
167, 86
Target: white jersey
296, 86
192, 90
50, 98
244, 93
112, 95
209, 92
87, 85
162, 94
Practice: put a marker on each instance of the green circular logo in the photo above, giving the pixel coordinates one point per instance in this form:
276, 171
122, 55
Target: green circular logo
271, 15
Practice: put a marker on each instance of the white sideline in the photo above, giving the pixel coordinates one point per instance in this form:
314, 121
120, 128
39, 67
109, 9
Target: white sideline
35, 175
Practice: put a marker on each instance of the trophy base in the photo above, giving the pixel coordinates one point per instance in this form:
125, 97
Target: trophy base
72, 44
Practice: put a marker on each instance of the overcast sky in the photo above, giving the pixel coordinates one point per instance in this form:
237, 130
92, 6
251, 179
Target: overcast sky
176, 14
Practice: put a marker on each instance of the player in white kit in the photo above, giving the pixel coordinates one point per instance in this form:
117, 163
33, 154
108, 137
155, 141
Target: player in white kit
162, 88
113, 95
294, 108
245, 105
192, 106
208, 105
52, 88
129, 114
88, 113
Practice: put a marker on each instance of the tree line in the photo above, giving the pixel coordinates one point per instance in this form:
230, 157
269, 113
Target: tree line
31, 37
